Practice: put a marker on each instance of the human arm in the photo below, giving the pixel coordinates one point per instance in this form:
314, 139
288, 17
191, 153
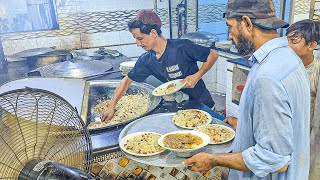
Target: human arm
233, 121
203, 162
119, 92
271, 127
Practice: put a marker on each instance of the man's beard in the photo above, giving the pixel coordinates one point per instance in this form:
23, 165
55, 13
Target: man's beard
245, 45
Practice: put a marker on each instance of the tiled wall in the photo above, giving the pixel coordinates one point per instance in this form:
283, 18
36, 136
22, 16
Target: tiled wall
301, 10
215, 78
86, 24
231, 108
316, 14
96, 23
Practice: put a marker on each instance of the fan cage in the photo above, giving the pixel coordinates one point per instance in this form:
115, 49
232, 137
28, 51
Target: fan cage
38, 124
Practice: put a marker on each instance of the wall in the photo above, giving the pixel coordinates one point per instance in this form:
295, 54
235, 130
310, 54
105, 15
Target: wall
95, 23
316, 7
85, 24
300, 10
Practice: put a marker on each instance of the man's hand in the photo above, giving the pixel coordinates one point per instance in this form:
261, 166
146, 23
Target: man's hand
232, 121
108, 114
201, 162
191, 80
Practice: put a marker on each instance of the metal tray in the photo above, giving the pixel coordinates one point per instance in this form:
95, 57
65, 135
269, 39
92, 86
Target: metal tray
162, 123
103, 90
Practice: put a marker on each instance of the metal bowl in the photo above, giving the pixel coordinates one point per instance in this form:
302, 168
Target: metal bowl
185, 152
104, 89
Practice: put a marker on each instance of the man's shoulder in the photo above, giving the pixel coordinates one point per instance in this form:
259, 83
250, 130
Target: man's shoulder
180, 42
145, 58
146, 55
284, 55
280, 63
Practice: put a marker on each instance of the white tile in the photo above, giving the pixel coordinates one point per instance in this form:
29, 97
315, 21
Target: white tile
235, 106
126, 37
229, 112
215, 65
317, 52
230, 66
211, 87
101, 39
299, 17
129, 50
162, 4
221, 77
221, 88
166, 32
228, 95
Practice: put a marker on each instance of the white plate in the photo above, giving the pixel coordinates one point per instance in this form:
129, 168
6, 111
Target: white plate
186, 152
129, 136
207, 114
226, 127
162, 87
129, 64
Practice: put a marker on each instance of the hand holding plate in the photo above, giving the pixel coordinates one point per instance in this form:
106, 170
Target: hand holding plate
201, 162
191, 81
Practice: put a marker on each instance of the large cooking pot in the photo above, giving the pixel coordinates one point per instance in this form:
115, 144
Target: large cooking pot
52, 57
98, 91
77, 55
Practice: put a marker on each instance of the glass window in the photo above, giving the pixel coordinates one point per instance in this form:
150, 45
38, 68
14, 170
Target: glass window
27, 15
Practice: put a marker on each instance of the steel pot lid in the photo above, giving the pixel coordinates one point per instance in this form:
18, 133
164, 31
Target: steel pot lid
32, 52
78, 69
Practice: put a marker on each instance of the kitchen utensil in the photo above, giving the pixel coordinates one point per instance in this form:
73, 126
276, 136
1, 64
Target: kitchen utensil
185, 152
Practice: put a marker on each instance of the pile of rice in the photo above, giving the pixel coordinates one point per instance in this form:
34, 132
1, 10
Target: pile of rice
190, 118
144, 144
128, 107
217, 133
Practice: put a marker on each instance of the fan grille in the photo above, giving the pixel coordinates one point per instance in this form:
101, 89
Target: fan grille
37, 124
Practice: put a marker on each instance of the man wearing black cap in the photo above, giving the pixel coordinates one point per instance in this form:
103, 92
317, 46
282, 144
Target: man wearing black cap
166, 60
272, 134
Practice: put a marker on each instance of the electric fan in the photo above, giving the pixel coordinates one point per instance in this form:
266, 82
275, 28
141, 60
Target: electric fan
42, 137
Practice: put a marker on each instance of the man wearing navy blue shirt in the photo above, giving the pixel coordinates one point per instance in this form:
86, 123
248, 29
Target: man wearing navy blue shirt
166, 60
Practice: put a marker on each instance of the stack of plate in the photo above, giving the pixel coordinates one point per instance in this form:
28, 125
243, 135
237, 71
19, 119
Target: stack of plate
125, 67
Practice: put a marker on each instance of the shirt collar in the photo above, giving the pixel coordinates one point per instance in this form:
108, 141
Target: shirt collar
260, 54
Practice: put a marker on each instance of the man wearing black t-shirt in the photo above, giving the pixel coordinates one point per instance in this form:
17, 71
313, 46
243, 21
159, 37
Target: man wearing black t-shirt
166, 60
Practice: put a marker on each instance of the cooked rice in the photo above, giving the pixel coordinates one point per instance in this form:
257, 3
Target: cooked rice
128, 107
190, 118
217, 133
144, 144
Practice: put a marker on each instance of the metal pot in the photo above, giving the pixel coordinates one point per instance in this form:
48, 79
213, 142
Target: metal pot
49, 58
53, 57
86, 56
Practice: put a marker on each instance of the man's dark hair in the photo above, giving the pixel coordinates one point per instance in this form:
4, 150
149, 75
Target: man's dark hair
144, 28
307, 29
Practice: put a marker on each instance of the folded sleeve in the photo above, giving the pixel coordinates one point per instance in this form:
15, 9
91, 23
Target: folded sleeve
140, 72
272, 128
